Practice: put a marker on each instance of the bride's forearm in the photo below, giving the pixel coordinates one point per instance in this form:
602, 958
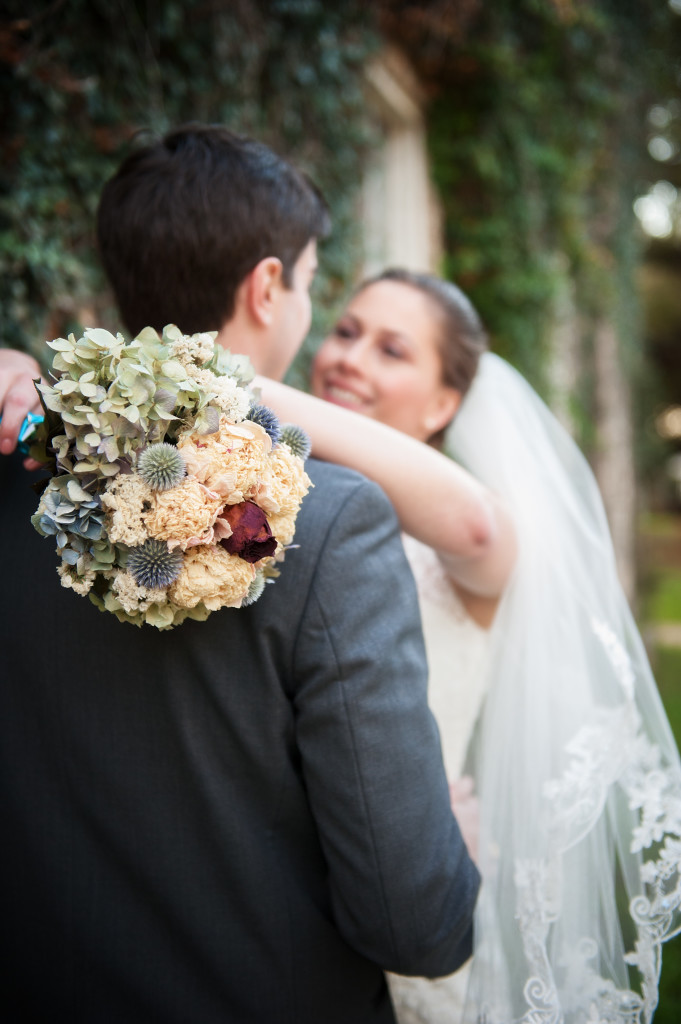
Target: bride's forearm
436, 500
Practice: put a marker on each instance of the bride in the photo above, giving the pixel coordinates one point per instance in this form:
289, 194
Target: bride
538, 677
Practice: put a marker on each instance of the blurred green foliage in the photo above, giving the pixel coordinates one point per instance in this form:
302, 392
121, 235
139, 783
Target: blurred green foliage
665, 599
78, 80
668, 672
660, 544
536, 127
538, 145
667, 668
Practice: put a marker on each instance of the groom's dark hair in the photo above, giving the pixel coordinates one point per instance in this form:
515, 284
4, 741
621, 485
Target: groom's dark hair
185, 219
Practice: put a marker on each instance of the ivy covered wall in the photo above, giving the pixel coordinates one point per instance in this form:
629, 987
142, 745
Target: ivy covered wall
536, 124
536, 127
538, 145
538, 134
78, 79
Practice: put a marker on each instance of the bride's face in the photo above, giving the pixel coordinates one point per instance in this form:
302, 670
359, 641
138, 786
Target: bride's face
382, 360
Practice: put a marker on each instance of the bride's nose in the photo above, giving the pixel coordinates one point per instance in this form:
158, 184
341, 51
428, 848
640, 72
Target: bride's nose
353, 356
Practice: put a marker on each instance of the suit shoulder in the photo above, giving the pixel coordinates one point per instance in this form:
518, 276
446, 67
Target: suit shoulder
338, 491
328, 475
338, 496
333, 485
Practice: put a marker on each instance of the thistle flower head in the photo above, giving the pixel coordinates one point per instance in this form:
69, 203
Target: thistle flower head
296, 439
255, 590
154, 565
161, 466
267, 420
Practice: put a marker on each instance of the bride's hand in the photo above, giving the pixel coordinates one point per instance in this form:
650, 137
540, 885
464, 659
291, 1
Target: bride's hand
466, 811
18, 396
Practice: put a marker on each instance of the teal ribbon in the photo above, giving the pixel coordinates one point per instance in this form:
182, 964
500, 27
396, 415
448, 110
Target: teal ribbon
27, 428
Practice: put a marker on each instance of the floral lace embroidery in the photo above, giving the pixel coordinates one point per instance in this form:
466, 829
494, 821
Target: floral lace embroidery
611, 749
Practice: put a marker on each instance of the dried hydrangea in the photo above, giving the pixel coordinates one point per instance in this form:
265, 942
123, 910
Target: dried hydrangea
113, 396
154, 462
232, 364
65, 508
224, 392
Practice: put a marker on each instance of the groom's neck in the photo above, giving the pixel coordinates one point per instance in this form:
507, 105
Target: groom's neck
243, 336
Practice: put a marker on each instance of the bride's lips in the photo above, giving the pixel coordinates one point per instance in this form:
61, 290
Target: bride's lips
341, 395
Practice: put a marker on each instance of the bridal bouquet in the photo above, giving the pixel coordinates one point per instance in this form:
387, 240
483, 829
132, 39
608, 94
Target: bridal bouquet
173, 493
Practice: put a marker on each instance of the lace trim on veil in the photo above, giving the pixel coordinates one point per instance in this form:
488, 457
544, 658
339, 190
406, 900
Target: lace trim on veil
611, 750
578, 774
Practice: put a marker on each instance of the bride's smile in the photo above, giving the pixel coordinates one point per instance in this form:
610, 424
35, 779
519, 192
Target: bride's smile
344, 396
383, 360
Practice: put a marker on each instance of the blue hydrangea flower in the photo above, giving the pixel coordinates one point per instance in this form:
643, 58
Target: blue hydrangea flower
60, 516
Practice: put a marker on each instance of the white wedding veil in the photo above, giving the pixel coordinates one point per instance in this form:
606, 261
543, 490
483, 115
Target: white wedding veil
575, 765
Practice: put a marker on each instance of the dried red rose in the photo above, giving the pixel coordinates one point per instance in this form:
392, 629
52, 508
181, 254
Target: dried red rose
251, 535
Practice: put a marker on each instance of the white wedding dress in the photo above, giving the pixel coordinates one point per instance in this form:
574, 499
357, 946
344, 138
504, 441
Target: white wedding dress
456, 648
557, 716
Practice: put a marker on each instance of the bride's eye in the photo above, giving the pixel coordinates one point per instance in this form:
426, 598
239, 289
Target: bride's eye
344, 330
392, 349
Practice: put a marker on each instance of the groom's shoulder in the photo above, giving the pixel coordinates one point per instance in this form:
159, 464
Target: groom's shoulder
328, 478
340, 507
335, 487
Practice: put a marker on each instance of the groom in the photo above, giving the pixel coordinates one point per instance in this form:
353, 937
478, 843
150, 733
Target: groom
246, 819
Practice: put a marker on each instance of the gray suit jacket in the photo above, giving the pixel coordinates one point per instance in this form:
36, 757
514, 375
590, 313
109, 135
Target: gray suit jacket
242, 820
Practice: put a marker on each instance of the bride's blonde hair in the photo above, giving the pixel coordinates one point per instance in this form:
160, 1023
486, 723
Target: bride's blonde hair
462, 337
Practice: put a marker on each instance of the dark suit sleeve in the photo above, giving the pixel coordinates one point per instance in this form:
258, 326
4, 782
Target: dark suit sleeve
403, 887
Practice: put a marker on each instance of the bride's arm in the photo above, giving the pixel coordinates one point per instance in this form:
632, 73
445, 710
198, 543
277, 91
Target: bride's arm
436, 500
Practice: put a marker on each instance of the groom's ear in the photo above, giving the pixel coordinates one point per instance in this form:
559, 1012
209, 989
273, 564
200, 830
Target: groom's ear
261, 289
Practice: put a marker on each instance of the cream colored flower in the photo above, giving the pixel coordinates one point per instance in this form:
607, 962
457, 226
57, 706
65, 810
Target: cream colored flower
283, 527
212, 576
134, 598
231, 461
197, 348
127, 498
234, 401
79, 584
183, 515
282, 489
